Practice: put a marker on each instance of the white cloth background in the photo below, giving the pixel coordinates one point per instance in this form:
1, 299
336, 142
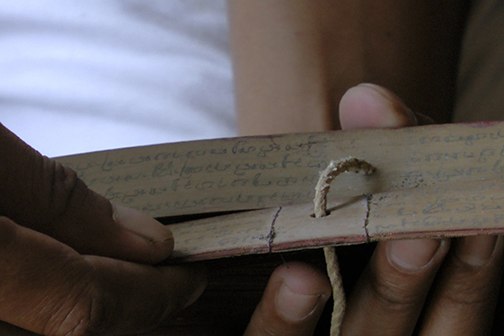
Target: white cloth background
79, 76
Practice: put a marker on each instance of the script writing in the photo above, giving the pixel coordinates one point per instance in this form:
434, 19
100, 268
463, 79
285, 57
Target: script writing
258, 172
469, 206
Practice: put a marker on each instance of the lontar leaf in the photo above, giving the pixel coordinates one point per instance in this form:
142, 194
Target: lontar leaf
440, 180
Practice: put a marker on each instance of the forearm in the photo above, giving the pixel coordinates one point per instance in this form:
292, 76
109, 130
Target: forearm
293, 59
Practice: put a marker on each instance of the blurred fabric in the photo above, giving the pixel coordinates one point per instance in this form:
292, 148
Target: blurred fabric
79, 76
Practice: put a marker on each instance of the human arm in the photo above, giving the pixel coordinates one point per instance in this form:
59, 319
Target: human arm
293, 60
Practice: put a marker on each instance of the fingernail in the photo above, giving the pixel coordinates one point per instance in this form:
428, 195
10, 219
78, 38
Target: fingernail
477, 250
142, 225
403, 116
295, 306
412, 255
381, 92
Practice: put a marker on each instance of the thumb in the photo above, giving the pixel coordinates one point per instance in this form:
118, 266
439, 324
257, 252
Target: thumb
372, 106
43, 195
48, 288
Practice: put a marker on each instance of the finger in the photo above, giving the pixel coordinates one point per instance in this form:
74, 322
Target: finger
41, 194
371, 106
292, 302
390, 294
49, 289
466, 293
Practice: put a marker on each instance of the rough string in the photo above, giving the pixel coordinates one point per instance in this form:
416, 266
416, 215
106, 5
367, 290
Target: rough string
349, 164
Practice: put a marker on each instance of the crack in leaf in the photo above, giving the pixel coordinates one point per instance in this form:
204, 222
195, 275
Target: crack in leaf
272, 233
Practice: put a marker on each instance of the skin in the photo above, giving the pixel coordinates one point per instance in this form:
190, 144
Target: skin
68, 255
454, 284
72, 263
51, 287
294, 59
293, 63
69, 259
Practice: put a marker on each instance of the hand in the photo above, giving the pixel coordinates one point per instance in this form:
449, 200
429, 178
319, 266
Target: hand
461, 286
460, 277
71, 263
